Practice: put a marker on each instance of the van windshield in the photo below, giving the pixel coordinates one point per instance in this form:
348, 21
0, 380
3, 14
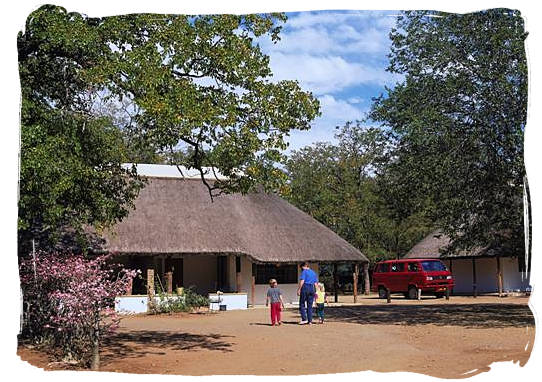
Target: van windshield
430, 266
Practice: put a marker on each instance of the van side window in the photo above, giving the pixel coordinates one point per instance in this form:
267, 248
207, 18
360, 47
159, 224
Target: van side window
398, 267
413, 267
384, 268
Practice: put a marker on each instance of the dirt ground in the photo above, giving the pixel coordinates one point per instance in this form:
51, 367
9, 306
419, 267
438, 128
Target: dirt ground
447, 339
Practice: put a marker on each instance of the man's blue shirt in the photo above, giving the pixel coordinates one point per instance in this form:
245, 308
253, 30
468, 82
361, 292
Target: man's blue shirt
309, 276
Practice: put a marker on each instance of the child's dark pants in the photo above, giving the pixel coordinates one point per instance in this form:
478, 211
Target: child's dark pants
320, 310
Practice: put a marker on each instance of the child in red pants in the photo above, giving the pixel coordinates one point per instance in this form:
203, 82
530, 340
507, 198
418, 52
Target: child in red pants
274, 295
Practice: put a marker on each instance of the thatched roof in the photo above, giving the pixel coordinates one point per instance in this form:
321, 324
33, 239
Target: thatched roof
175, 215
432, 245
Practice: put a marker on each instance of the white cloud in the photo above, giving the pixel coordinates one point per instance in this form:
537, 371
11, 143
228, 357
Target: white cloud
326, 74
344, 33
335, 112
331, 51
355, 100
316, 40
309, 19
338, 109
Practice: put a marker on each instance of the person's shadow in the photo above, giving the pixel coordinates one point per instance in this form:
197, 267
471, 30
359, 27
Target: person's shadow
283, 322
290, 322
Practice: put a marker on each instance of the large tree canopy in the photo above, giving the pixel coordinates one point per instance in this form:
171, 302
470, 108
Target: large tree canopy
458, 119
70, 173
338, 185
200, 81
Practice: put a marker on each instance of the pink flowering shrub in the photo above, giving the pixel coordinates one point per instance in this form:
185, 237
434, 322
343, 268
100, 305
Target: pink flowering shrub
68, 302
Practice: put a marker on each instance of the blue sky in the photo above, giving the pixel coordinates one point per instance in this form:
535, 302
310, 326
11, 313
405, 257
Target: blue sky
341, 57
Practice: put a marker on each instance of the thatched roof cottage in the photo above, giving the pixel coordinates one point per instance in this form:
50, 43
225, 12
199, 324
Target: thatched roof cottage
233, 243
481, 270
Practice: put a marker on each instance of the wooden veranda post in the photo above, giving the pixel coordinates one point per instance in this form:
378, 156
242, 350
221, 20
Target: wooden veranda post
150, 282
169, 282
474, 288
150, 289
366, 278
129, 287
499, 276
335, 283
355, 283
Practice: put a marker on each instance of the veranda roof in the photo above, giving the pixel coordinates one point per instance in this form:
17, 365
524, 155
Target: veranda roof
176, 216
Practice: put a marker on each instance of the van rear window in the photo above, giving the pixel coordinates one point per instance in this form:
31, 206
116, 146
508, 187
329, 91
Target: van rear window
430, 266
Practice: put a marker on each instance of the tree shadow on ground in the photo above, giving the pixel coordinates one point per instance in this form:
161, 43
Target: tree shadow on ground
140, 343
466, 315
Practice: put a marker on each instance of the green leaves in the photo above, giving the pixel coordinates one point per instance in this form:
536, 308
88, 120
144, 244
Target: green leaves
458, 119
71, 177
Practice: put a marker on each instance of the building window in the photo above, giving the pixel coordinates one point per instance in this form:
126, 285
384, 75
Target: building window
283, 273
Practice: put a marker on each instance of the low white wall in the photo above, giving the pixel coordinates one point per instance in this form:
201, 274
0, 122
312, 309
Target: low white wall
131, 304
139, 304
233, 301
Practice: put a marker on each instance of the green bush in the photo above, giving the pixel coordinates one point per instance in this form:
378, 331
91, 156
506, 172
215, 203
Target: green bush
194, 300
186, 302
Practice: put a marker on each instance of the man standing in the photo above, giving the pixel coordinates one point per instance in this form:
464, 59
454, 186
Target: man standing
305, 291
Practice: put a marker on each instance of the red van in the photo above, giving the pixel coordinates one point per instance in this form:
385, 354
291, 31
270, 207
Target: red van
408, 275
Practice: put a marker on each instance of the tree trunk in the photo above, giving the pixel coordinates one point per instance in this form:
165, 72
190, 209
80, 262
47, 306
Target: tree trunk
95, 362
355, 281
366, 277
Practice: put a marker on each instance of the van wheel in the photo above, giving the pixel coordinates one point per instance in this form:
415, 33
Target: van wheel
412, 293
382, 292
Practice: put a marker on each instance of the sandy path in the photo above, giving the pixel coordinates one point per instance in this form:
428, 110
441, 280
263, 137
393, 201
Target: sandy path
435, 337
